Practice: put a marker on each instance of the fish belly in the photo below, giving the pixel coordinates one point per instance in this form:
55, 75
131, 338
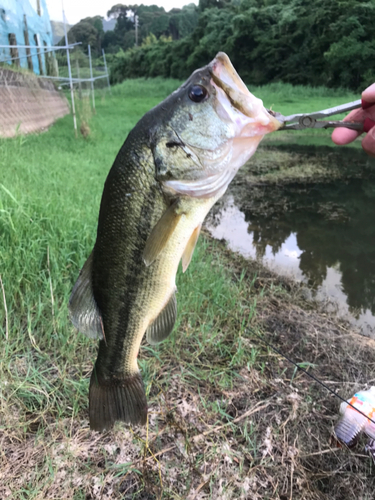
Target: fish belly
162, 272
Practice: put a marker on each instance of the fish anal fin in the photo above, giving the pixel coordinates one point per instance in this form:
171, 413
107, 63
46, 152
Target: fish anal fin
189, 250
163, 325
83, 310
161, 233
116, 399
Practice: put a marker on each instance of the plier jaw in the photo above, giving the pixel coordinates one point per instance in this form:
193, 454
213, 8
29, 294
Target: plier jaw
302, 121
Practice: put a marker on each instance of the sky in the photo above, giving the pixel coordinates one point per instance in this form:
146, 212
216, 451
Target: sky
75, 10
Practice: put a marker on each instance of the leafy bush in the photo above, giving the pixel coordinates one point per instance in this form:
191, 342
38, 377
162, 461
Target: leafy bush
296, 41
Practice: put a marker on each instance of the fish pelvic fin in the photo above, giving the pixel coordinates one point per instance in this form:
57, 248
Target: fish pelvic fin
116, 399
161, 233
189, 250
83, 310
163, 325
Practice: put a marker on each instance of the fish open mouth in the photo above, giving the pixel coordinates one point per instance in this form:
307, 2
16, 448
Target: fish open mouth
237, 100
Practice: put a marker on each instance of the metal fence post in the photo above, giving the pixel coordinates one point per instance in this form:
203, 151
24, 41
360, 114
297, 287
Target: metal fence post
92, 81
106, 70
70, 78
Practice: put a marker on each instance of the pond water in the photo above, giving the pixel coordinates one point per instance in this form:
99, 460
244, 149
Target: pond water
320, 232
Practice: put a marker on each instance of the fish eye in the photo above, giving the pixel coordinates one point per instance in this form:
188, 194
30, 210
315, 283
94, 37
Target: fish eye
197, 93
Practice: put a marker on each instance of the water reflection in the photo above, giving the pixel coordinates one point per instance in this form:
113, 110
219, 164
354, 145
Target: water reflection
323, 233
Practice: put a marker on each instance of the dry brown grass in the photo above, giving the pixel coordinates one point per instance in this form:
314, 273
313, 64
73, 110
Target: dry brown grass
84, 115
263, 432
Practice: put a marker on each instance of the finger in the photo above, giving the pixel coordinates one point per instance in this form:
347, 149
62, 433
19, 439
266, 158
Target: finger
370, 112
369, 94
368, 142
357, 115
341, 135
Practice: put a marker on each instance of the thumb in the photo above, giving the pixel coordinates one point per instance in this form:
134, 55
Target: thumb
369, 94
341, 135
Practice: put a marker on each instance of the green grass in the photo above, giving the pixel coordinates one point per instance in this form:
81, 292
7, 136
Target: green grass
289, 99
200, 382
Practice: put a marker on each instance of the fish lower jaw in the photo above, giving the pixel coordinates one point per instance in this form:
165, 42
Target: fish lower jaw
213, 186
258, 129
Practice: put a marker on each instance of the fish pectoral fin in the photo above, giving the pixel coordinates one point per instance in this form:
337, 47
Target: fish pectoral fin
83, 310
189, 250
162, 326
161, 233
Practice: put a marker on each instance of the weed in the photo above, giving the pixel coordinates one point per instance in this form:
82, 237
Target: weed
227, 418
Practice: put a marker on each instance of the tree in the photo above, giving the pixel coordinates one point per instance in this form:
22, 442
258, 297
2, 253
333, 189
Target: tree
87, 33
210, 4
182, 22
297, 41
110, 42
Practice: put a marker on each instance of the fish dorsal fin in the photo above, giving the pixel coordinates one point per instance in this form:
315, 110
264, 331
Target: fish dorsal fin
189, 250
83, 310
162, 326
161, 233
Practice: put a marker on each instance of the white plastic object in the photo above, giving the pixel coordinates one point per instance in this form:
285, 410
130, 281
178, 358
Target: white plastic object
352, 423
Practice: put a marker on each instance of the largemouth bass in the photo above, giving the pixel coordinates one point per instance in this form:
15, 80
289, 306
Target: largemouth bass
174, 165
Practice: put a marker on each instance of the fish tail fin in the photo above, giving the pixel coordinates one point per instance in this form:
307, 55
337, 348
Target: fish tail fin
120, 399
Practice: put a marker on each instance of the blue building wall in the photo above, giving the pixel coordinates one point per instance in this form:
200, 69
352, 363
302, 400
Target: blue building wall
12, 21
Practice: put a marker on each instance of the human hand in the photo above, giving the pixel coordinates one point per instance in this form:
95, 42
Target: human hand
341, 136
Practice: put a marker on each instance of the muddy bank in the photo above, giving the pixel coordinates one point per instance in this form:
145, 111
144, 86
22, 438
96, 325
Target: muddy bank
305, 163
297, 457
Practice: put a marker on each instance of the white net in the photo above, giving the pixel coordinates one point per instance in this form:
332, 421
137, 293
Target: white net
28, 103
30, 65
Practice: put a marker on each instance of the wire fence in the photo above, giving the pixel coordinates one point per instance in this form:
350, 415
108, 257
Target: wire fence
84, 70
66, 67
28, 103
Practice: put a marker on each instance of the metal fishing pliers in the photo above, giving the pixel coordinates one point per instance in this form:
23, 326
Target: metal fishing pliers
311, 120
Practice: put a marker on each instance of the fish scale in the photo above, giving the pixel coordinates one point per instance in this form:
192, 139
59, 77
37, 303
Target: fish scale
122, 242
174, 165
